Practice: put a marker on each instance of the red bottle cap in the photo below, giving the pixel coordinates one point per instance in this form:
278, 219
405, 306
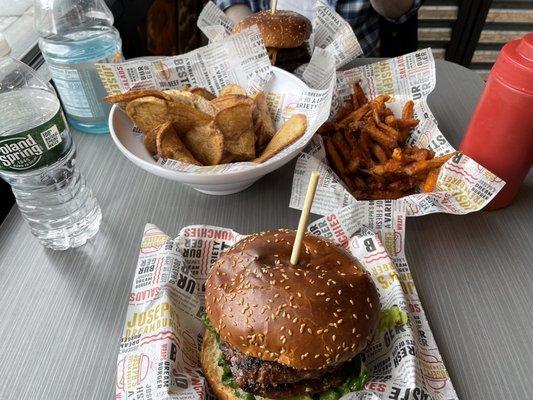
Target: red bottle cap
514, 65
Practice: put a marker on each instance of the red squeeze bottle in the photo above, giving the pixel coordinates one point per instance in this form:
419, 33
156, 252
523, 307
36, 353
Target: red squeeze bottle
500, 134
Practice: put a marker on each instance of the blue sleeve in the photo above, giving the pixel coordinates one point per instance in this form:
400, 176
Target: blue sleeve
255, 5
414, 8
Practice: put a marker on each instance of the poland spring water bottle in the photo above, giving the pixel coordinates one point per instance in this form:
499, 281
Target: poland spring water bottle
38, 159
76, 34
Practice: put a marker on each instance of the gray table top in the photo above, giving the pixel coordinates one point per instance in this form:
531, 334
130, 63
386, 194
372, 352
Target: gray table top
62, 313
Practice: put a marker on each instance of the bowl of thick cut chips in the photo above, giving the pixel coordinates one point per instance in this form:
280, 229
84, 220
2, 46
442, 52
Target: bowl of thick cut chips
218, 144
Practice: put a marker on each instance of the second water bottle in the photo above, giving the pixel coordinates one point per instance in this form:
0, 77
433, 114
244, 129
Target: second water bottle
76, 34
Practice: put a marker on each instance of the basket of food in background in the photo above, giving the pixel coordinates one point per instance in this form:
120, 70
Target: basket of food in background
383, 143
289, 36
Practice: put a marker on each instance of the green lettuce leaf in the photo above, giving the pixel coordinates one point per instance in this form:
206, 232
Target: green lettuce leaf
391, 317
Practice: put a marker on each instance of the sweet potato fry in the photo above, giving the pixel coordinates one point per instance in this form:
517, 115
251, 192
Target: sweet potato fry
342, 112
334, 156
417, 154
353, 165
389, 130
353, 99
407, 111
387, 112
359, 93
380, 137
381, 100
375, 113
328, 128
378, 152
359, 183
426, 165
397, 154
430, 183
400, 185
391, 121
350, 138
406, 123
356, 115
365, 146
342, 146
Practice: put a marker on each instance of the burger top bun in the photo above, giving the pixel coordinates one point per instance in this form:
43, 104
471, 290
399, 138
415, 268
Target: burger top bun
282, 29
320, 312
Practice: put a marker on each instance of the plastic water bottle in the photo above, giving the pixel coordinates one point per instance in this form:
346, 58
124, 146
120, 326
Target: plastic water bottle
76, 34
38, 159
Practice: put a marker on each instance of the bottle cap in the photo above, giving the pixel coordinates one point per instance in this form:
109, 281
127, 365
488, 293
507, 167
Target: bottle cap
514, 65
5, 49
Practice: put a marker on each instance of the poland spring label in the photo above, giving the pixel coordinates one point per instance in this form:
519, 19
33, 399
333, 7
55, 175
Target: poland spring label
34, 148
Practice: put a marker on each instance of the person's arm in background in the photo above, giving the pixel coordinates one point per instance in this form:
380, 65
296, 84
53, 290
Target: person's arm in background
238, 9
392, 9
238, 12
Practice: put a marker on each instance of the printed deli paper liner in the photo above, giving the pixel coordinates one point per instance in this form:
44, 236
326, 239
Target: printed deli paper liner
463, 185
162, 337
330, 31
240, 59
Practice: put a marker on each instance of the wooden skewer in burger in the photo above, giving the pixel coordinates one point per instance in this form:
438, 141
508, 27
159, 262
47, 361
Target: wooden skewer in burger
284, 33
278, 329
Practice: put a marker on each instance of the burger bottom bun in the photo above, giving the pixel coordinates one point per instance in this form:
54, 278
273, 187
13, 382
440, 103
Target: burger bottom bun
209, 356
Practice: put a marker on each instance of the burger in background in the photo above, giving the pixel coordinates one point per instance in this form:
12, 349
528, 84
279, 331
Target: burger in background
277, 330
285, 34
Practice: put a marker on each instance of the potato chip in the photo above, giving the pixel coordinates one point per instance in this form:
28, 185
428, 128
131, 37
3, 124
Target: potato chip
232, 88
290, 132
204, 105
190, 99
206, 143
263, 125
229, 100
136, 94
150, 141
180, 96
206, 94
148, 112
187, 117
170, 146
235, 123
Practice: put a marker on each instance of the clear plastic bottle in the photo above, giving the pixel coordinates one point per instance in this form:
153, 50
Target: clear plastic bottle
76, 34
38, 159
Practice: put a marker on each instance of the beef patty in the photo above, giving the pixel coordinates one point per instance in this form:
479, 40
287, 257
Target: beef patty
274, 380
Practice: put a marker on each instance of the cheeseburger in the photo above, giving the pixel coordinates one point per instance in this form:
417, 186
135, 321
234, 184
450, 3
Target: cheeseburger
278, 330
284, 34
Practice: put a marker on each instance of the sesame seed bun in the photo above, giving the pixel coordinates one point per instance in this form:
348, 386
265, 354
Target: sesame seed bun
282, 29
319, 313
